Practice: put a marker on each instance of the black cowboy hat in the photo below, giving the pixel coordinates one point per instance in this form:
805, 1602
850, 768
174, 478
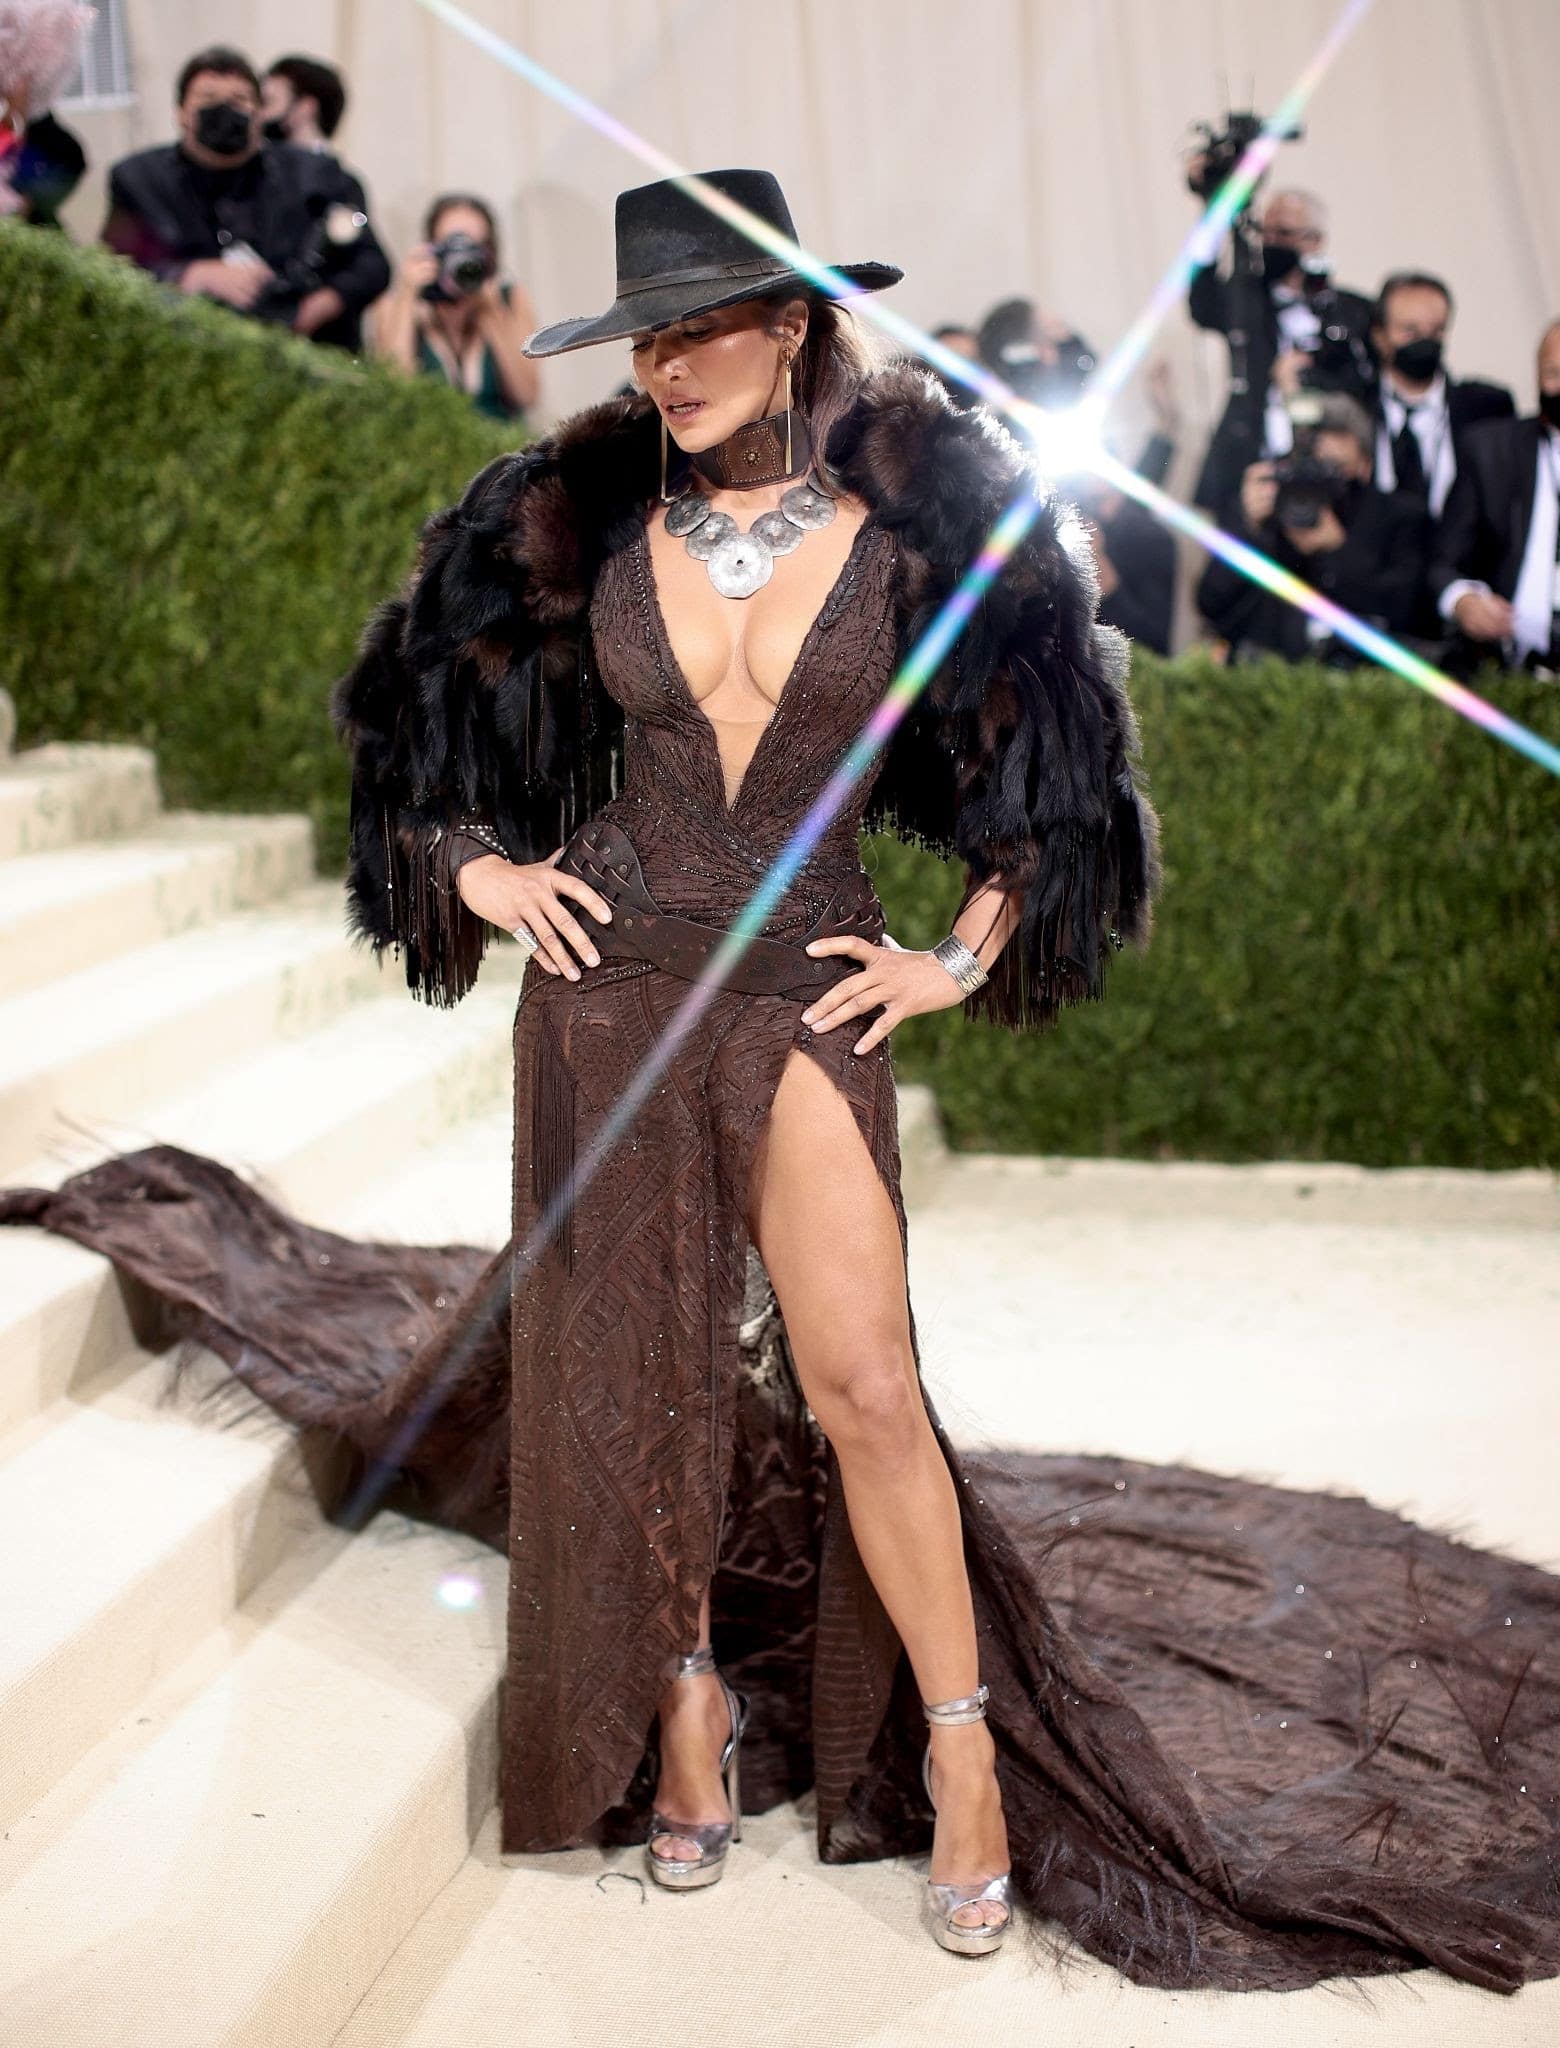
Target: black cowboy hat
676, 258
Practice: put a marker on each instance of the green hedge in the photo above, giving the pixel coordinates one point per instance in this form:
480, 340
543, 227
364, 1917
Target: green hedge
197, 514
1358, 942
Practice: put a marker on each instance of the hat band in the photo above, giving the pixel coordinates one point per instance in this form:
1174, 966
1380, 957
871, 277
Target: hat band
704, 273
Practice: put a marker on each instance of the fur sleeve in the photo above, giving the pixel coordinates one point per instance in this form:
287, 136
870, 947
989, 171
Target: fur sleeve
1021, 755
465, 697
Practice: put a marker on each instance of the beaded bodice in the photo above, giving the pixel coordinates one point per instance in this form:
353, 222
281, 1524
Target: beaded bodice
702, 854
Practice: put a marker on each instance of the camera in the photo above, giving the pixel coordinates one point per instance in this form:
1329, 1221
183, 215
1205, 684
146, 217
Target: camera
1341, 359
1223, 148
465, 265
1307, 487
336, 226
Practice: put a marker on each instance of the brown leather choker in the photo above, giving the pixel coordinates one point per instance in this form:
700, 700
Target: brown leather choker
755, 454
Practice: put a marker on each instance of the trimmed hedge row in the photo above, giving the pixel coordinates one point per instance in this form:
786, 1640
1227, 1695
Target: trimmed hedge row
197, 514
1358, 943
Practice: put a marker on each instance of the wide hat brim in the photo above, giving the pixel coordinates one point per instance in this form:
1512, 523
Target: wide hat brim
659, 305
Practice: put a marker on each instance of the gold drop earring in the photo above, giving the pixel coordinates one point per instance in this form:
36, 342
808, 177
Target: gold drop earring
788, 415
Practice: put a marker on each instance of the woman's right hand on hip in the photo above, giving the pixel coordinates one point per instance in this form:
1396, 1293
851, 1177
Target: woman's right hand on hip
511, 893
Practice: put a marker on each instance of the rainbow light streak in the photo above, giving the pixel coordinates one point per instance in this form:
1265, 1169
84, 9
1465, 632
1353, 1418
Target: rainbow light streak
1271, 575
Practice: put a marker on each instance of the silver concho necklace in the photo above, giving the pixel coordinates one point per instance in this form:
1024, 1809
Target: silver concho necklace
739, 563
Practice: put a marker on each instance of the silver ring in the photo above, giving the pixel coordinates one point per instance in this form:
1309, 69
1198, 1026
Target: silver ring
527, 938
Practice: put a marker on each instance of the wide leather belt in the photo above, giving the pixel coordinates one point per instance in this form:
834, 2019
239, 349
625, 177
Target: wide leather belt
600, 852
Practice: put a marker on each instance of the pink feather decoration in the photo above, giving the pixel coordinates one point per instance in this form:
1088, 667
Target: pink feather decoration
40, 47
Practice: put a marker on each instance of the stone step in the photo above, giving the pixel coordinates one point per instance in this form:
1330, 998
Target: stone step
234, 1864
70, 791
64, 910
147, 1526
319, 1120
111, 1038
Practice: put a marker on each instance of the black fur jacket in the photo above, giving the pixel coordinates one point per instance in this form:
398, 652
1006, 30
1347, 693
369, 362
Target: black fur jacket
475, 691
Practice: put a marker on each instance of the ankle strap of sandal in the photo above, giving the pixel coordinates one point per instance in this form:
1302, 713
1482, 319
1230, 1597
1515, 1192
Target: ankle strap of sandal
953, 1713
694, 1663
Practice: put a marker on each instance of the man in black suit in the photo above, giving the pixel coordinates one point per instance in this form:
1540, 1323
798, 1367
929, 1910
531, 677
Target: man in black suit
1288, 328
274, 231
1422, 414
1496, 572
1353, 543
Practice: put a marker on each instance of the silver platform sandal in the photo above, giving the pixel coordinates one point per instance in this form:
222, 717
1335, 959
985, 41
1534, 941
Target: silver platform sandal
712, 1838
944, 1900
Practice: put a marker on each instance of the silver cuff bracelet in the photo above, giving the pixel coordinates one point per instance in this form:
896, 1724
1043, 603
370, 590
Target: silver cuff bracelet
960, 962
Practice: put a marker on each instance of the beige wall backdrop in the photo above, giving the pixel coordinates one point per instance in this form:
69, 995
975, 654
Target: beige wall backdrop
987, 146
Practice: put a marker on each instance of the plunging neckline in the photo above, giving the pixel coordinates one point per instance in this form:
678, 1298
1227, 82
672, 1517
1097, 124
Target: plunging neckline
676, 676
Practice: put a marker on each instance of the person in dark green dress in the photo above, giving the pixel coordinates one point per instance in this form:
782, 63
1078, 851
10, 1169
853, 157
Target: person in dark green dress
450, 314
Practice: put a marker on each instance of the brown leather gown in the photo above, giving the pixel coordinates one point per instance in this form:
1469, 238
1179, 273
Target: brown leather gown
1209, 1780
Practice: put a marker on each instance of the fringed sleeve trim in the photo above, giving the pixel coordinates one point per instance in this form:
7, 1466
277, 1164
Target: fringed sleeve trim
1083, 863
463, 704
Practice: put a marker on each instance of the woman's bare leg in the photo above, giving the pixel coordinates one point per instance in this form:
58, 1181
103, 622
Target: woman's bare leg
826, 1231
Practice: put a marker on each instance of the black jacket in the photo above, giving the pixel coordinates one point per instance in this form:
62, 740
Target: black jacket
1376, 574
1241, 308
1484, 528
475, 690
165, 211
1142, 550
1469, 402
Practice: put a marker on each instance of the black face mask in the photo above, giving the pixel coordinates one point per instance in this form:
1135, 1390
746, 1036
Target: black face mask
1549, 407
1419, 360
275, 130
1278, 259
223, 129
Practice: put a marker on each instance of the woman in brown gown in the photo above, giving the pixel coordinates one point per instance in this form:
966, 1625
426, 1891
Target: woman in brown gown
686, 1397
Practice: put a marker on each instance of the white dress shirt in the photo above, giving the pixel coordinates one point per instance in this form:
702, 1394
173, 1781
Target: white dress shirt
1432, 424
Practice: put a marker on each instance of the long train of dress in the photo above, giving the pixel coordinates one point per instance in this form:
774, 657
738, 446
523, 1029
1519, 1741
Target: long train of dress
1211, 1777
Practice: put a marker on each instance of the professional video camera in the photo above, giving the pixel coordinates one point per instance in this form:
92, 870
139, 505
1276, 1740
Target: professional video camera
1223, 148
465, 265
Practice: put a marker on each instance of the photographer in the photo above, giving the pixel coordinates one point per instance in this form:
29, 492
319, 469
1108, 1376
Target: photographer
451, 315
275, 232
1288, 327
1316, 513
1037, 353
